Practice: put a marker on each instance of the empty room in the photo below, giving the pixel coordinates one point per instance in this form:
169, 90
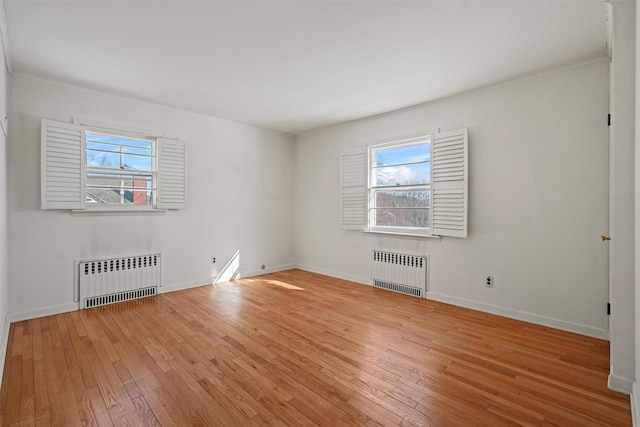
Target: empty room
299, 213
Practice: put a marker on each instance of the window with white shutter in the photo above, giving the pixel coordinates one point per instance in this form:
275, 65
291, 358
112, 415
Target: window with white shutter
120, 170
172, 174
411, 186
63, 158
400, 186
449, 184
89, 168
353, 180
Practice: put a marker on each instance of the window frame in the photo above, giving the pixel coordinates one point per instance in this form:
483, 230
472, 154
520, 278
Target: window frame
372, 189
449, 198
154, 172
63, 170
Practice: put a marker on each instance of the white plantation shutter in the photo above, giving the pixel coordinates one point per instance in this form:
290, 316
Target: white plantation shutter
449, 183
62, 165
353, 182
172, 174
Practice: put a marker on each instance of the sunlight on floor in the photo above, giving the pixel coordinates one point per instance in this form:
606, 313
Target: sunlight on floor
284, 285
279, 283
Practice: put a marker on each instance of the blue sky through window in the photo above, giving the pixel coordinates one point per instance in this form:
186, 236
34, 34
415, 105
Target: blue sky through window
405, 154
403, 165
114, 152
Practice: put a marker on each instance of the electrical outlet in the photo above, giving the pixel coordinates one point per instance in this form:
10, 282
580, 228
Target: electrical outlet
489, 282
213, 260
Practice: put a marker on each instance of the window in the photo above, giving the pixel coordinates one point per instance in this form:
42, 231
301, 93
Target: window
411, 186
85, 168
400, 186
120, 170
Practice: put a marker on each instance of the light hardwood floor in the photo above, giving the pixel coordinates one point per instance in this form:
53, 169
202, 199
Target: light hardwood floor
298, 349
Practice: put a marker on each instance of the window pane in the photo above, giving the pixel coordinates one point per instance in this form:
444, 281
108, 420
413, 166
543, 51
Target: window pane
402, 199
115, 181
123, 155
117, 148
390, 217
100, 159
118, 140
404, 154
117, 152
119, 196
103, 160
402, 175
399, 184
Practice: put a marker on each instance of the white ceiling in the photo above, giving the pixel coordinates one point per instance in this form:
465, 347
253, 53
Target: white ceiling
295, 66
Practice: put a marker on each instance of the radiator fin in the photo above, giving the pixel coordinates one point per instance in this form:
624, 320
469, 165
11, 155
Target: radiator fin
116, 279
396, 287
398, 272
119, 297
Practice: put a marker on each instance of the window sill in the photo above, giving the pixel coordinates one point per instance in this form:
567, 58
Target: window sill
106, 212
407, 235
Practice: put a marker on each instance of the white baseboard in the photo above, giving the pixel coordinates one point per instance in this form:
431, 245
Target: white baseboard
4, 343
42, 312
210, 280
64, 308
275, 269
620, 384
357, 279
521, 315
186, 285
487, 308
635, 405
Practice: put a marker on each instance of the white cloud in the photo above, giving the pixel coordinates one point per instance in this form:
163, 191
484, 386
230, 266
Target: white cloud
402, 175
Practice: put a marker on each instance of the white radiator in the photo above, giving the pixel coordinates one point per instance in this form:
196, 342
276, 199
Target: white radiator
402, 273
111, 280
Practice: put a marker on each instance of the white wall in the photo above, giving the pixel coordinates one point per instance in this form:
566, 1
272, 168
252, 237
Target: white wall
538, 187
239, 198
621, 197
4, 286
635, 395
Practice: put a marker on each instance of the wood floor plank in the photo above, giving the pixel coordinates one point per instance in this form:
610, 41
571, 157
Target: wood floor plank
11, 380
300, 349
163, 407
27, 394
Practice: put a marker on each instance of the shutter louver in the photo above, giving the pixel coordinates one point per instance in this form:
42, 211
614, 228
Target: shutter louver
353, 181
172, 174
62, 163
449, 183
